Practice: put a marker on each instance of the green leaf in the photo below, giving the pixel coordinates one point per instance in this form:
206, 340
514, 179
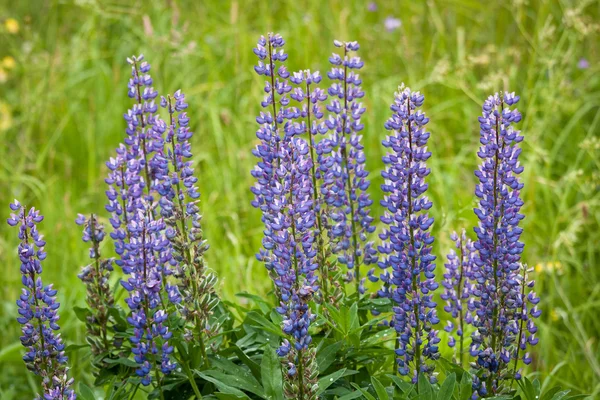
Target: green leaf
577, 397
465, 390
447, 388
326, 357
254, 367
405, 387
82, 313
527, 388
351, 396
264, 306
329, 380
85, 392
561, 395
364, 392
424, 388
550, 392
224, 388
536, 388
382, 394
263, 323
74, 347
228, 396
243, 381
272, 378
122, 361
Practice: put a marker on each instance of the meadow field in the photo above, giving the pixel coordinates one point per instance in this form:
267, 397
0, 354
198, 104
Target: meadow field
63, 85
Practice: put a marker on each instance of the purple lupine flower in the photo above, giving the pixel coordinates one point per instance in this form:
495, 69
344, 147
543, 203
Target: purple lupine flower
283, 192
38, 309
144, 128
498, 288
392, 23
146, 261
145, 253
583, 63
458, 284
345, 180
96, 277
526, 312
179, 207
407, 242
310, 115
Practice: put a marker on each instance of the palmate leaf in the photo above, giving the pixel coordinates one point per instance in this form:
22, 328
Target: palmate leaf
364, 392
85, 392
223, 387
424, 388
257, 320
326, 381
447, 388
380, 390
254, 367
327, 355
235, 375
272, 378
465, 389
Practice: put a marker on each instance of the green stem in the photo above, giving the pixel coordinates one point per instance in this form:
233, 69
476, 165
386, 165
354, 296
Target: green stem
158, 382
135, 389
301, 375
460, 300
348, 182
321, 250
415, 277
188, 372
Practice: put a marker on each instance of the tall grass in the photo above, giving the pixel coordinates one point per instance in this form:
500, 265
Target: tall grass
66, 96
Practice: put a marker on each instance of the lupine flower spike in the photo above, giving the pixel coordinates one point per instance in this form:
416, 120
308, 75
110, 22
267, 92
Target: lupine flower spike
310, 97
498, 305
458, 288
144, 128
145, 253
38, 310
283, 192
145, 261
345, 179
179, 207
96, 277
406, 242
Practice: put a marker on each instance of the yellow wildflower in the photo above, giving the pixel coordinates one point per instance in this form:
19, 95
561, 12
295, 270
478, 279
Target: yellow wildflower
11, 25
3, 75
553, 315
5, 117
550, 266
8, 62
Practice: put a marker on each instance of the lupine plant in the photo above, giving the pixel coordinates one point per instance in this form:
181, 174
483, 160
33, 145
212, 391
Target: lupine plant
500, 287
458, 287
345, 177
38, 310
284, 193
96, 277
406, 242
157, 328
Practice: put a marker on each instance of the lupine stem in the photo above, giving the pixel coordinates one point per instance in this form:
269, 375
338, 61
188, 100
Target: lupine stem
460, 309
348, 182
95, 244
143, 125
523, 283
185, 237
321, 248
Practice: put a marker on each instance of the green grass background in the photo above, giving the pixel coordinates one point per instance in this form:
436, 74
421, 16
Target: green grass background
61, 112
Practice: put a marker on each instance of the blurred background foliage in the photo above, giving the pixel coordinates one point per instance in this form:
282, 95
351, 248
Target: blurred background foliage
63, 90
